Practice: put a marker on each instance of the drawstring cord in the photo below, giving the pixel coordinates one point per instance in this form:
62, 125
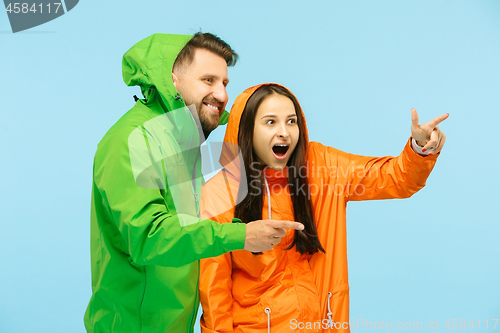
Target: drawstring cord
329, 314
268, 311
268, 198
269, 209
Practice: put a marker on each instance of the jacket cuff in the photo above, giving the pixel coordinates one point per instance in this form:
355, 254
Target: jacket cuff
415, 156
235, 234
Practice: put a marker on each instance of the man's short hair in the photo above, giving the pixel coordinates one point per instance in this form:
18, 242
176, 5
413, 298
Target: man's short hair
208, 42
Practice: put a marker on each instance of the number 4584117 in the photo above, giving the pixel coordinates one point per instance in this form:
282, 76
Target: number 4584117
462, 324
24, 8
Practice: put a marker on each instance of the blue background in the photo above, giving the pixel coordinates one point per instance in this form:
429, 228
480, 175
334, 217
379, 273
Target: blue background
357, 67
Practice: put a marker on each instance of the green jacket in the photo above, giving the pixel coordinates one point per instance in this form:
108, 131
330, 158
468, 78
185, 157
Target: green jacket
146, 236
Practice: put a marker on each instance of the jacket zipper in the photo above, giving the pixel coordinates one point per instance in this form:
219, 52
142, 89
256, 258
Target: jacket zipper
142, 300
196, 302
195, 195
193, 176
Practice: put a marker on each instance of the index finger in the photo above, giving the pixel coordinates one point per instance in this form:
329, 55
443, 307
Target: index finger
414, 118
434, 122
286, 225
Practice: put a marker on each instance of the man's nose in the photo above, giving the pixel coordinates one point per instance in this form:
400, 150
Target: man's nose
220, 93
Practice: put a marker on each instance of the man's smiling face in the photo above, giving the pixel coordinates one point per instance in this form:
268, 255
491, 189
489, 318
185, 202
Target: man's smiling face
203, 83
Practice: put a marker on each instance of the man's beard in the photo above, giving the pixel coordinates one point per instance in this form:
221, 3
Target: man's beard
208, 120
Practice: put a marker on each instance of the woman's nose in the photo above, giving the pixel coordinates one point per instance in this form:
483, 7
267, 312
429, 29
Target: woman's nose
283, 132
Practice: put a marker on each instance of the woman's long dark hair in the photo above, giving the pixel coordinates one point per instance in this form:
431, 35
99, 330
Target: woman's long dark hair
250, 208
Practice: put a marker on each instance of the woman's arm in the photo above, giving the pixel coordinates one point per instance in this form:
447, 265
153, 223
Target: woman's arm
388, 177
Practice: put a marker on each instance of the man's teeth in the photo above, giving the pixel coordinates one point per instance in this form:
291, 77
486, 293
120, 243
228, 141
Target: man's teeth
212, 106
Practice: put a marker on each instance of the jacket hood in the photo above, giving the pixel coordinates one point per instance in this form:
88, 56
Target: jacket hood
149, 64
233, 125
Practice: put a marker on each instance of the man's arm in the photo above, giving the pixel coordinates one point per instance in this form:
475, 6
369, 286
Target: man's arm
152, 233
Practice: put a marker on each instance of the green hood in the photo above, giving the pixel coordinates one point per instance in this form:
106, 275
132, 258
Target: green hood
149, 64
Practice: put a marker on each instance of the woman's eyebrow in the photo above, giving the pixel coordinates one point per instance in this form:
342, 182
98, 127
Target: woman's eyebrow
274, 116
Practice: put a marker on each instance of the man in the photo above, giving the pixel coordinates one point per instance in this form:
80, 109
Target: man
146, 237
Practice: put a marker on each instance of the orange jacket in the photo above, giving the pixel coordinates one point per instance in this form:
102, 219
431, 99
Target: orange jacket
243, 292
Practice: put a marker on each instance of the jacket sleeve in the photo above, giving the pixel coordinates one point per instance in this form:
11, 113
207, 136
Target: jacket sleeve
216, 294
151, 233
371, 178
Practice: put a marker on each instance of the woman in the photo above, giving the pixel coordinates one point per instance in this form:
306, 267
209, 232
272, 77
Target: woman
300, 285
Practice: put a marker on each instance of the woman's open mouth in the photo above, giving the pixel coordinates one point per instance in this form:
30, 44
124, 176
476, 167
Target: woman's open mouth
280, 151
